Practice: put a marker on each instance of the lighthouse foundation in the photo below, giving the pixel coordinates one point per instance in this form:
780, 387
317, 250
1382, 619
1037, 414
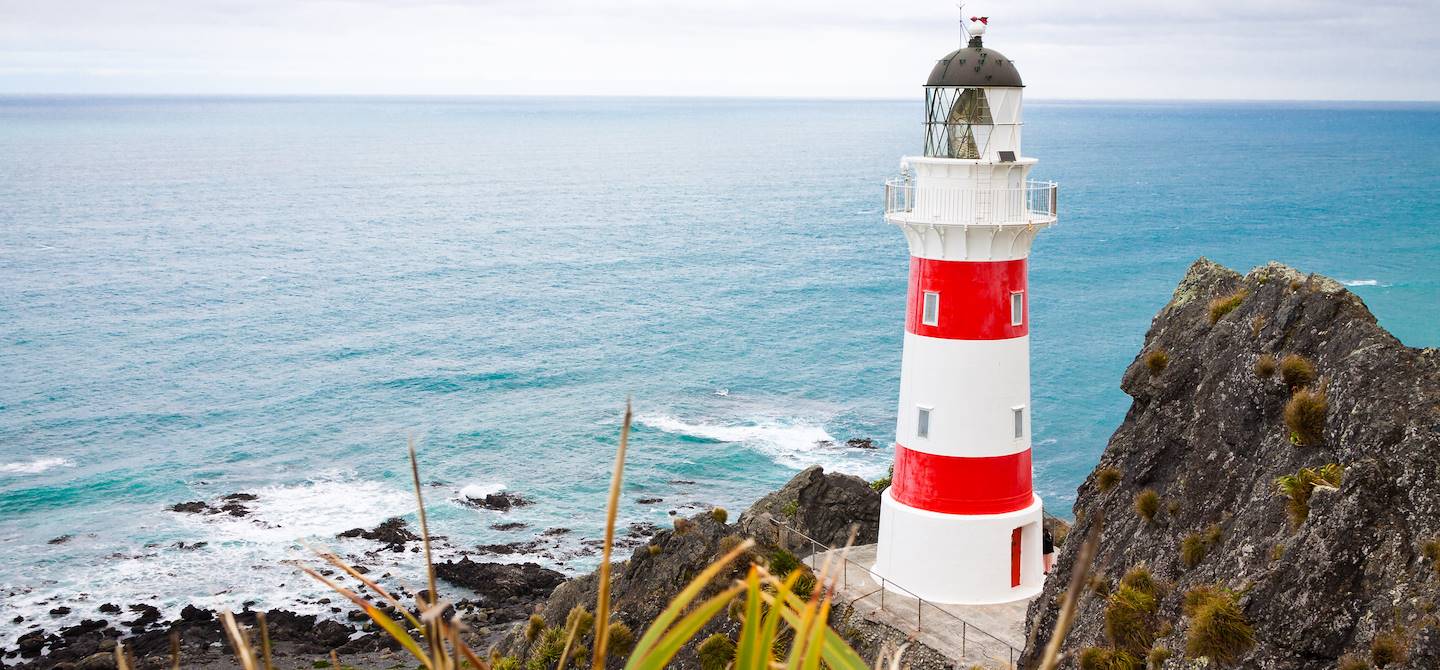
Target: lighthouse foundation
957, 558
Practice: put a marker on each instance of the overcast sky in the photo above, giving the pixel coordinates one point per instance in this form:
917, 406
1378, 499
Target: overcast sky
1151, 49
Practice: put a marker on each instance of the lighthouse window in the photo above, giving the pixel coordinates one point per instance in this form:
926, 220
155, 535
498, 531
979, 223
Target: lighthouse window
1017, 308
1019, 413
930, 316
922, 423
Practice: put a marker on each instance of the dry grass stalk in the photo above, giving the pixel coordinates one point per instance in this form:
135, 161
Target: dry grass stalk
602, 600
1078, 574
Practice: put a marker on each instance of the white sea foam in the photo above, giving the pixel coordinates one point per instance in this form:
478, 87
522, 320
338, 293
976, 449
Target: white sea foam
1362, 282
317, 508
794, 443
36, 466
479, 491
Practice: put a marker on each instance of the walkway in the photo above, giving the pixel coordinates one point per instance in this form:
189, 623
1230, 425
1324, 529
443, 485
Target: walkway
990, 636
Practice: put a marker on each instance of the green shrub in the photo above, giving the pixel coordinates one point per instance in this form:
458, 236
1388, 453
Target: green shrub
884, 482
1352, 662
1277, 551
1140, 579
1196, 545
790, 508
1101, 658
534, 627
1265, 366
1226, 304
782, 562
1107, 477
505, 663
1296, 371
805, 584
1147, 503
621, 640
1257, 324
1158, 656
654, 549
546, 653
1130, 619
1298, 487
716, 652
1218, 628
1305, 416
579, 620
1388, 648
1156, 360
719, 514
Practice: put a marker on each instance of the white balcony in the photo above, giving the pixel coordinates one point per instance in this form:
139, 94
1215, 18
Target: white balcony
1030, 205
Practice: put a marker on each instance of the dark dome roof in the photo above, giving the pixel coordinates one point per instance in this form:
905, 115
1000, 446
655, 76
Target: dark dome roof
974, 66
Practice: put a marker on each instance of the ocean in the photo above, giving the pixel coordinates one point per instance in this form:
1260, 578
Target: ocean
201, 296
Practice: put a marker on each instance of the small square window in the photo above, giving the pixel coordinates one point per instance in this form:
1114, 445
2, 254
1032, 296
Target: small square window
1017, 308
922, 422
930, 315
1019, 413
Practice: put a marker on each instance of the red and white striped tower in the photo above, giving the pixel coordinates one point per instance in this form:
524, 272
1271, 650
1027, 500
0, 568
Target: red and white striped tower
960, 522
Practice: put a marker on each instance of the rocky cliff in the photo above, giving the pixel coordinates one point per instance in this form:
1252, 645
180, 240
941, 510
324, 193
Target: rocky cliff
1273, 492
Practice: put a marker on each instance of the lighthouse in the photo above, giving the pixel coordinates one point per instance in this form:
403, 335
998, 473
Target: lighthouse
960, 522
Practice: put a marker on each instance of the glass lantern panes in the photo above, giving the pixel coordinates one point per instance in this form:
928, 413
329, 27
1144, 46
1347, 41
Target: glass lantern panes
958, 122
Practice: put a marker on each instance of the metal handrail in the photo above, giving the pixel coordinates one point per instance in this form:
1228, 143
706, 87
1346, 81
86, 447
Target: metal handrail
1035, 202
965, 626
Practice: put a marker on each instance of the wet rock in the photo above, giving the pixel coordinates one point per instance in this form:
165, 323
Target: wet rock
193, 614
192, 507
241, 497
861, 443
148, 614
97, 661
189, 546
31, 643
61, 540
552, 532
235, 509
508, 525
501, 502
110, 608
500, 581
682, 482
393, 533
59, 612
649, 501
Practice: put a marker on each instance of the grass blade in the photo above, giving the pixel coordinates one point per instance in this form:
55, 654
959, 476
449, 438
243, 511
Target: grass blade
602, 599
751, 654
264, 641
238, 643
664, 649
683, 600
391, 627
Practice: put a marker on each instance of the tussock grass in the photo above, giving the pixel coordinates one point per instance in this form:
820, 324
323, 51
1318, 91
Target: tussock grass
1296, 370
1196, 545
1130, 619
1389, 648
720, 515
1156, 361
1226, 304
1257, 324
1265, 366
1103, 658
1305, 416
782, 562
1218, 629
1298, 487
1147, 503
1107, 477
716, 652
1430, 549
533, 627
1140, 579
1158, 656
1352, 662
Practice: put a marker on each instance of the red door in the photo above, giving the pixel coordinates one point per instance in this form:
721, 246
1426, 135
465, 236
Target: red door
1015, 558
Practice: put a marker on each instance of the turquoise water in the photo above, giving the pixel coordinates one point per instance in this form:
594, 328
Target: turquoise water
200, 296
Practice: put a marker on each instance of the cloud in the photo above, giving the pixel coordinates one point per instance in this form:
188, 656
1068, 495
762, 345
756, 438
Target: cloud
1319, 49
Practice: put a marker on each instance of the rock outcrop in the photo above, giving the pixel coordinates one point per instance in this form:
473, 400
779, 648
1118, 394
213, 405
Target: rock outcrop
819, 505
1342, 574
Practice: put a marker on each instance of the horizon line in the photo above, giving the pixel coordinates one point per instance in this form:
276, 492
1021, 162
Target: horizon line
622, 96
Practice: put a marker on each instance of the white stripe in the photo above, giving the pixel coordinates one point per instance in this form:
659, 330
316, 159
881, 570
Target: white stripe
971, 388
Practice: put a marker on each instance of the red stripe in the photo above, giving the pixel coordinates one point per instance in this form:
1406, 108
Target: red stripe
960, 485
974, 298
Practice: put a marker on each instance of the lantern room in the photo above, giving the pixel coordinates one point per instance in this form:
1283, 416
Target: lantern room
972, 104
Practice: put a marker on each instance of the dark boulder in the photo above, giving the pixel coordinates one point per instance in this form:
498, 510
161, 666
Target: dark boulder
192, 507
393, 533
819, 505
861, 443
500, 581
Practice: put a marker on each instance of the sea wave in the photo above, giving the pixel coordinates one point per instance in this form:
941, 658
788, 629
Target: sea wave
315, 508
1362, 282
479, 491
36, 466
794, 443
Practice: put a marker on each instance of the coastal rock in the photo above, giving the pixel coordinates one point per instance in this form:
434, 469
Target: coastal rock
861, 443
648, 501
148, 614
499, 582
819, 505
393, 533
500, 502
1206, 432
509, 525
192, 507
61, 539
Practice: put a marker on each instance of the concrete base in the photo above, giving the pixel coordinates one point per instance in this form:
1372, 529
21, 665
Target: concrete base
987, 636
960, 559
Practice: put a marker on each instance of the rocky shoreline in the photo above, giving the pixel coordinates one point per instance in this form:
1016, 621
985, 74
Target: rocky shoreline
491, 596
